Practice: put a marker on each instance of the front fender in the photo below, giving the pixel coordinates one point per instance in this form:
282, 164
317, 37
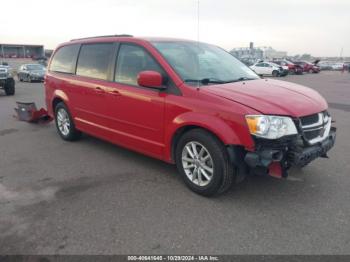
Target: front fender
228, 133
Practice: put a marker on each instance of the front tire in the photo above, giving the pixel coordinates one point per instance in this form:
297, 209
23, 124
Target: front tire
275, 73
9, 87
203, 163
64, 123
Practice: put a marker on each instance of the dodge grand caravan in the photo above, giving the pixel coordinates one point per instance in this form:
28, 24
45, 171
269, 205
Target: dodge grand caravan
187, 103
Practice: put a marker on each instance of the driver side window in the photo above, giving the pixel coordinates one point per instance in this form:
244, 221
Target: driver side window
131, 61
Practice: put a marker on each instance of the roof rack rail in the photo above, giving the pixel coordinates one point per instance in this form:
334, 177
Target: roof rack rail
91, 37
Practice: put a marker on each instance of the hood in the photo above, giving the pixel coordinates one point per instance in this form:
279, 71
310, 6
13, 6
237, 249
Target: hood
272, 97
39, 72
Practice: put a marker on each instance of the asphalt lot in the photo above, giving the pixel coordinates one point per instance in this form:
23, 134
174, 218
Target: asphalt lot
91, 197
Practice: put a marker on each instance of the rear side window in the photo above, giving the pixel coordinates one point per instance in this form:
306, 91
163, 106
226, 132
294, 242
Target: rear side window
65, 59
94, 60
131, 61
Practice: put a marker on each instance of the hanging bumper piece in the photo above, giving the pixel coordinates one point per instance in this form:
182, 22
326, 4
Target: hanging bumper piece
28, 112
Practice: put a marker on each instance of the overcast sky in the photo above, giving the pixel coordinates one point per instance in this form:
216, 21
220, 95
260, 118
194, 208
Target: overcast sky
319, 27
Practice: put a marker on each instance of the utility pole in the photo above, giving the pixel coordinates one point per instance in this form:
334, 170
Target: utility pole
2, 51
341, 54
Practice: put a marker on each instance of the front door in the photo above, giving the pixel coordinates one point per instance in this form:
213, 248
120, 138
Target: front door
259, 68
136, 113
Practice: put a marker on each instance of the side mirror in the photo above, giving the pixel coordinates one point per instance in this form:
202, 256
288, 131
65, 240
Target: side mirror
151, 79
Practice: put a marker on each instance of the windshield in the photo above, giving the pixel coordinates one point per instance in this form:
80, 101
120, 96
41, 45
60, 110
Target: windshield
198, 61
274, 64
35, 67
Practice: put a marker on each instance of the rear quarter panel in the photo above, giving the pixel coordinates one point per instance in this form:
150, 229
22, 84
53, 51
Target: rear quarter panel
57, 86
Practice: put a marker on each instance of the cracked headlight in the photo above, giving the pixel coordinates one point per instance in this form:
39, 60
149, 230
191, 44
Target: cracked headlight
270, 127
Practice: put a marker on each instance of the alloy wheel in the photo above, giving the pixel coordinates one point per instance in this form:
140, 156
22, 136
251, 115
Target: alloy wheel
63, 121
197, 163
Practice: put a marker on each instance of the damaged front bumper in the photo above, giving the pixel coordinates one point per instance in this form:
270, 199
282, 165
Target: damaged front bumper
276, 157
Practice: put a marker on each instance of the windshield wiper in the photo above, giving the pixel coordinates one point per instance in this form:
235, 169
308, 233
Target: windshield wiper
240, 79
206, 81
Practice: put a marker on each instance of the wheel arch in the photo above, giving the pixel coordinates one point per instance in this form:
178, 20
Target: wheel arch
179, 133
58, 96
214, 125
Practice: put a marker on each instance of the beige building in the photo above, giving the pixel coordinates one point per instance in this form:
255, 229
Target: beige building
270, 53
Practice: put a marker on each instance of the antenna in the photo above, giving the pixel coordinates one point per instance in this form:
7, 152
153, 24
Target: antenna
198, 21
198, 44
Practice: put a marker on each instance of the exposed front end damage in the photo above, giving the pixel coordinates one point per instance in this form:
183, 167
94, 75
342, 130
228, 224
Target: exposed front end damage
315, 138
275, 159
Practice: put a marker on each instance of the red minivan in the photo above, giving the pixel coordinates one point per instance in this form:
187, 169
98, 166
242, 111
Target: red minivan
188, 103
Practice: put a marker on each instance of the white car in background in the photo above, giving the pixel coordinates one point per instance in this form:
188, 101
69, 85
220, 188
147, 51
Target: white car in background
338, 66
267, 68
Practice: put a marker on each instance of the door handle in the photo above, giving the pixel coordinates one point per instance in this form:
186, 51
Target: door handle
99, 90
115, 93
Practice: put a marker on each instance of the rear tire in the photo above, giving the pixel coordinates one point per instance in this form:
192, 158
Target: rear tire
9, 87
64, 123
275, 73
208, 173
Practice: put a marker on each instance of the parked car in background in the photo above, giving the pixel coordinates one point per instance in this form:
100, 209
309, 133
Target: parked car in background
325, 65
31, 72
308, 67
338, 66
331, 65
4, 64
267, 68
6, 80
347, 66
293, 68
284, 66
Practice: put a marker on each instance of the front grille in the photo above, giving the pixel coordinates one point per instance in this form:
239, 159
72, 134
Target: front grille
3, 75
309, 120
315, 127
